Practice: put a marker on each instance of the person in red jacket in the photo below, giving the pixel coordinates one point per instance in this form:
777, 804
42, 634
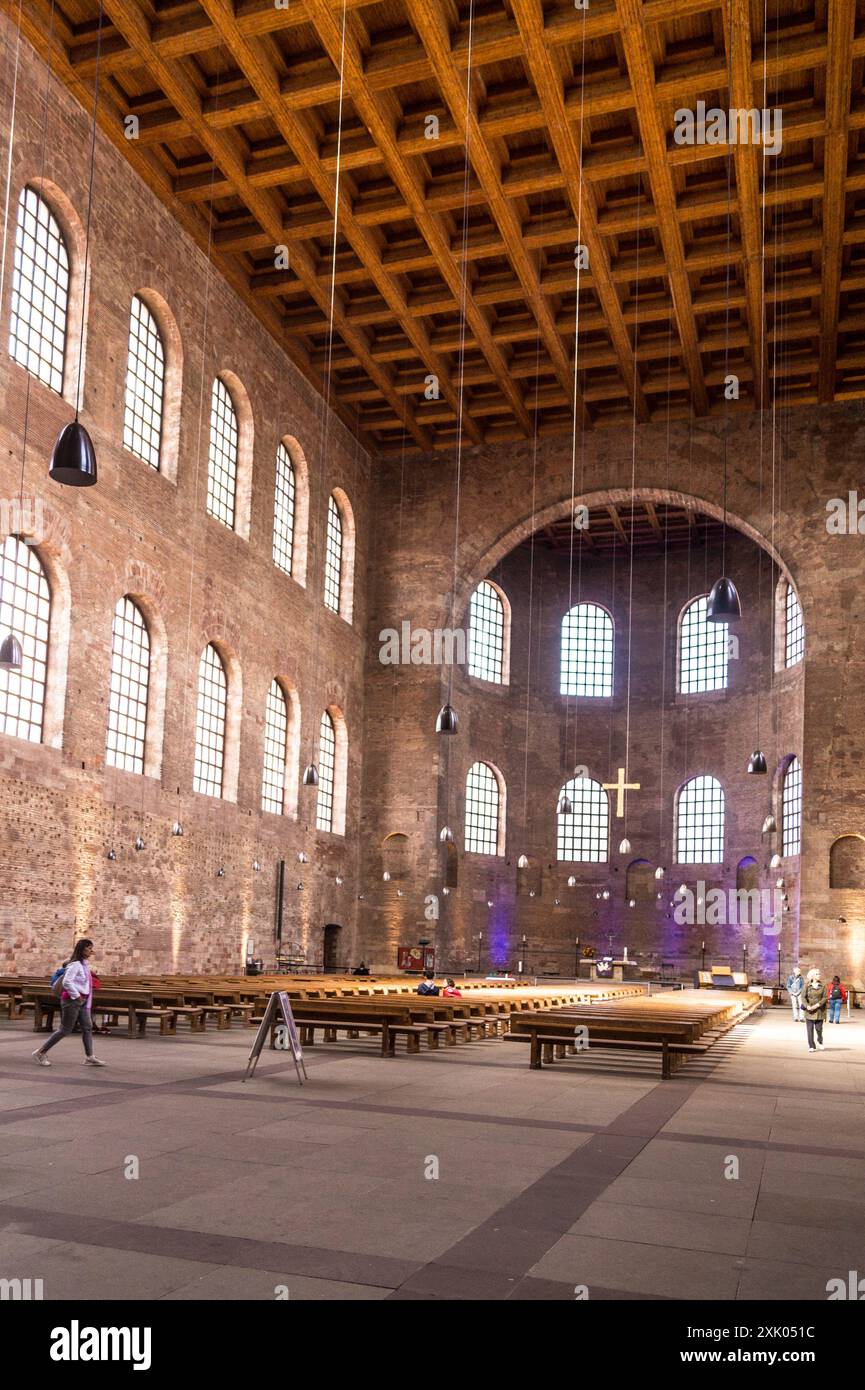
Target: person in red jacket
450, 990
837, 997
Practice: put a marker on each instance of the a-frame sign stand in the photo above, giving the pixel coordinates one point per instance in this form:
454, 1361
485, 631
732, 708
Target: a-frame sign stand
278, 1007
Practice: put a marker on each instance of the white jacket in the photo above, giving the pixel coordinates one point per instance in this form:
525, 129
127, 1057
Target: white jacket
78, 981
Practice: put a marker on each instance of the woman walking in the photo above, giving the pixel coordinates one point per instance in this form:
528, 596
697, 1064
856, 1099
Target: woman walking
814, 998
76, 999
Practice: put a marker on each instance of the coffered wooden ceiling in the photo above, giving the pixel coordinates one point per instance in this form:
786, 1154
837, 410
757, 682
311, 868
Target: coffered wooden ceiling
704, 259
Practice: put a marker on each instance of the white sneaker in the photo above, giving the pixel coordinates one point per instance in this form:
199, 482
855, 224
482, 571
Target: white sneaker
812, 1049
93, 1062
41, 1058
820, 1047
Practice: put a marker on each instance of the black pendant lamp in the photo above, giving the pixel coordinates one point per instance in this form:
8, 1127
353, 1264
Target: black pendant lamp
73, 459
310, 776
447, 721
722, 605
11, 655
757, 762
565, 806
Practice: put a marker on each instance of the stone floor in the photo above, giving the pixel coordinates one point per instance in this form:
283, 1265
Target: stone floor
572, 1181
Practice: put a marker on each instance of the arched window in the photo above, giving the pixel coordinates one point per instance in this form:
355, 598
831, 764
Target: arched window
333, 557
700, 822
587, 651
222, 456
791, 809
40, 292
794, 629
210, 719
128, 688
326, 771
488, 634
583, 836
145, 385
483, 811
275, 750
283, 511
25, 610
702, 650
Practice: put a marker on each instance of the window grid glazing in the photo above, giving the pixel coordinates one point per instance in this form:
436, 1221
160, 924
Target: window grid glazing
326, 770
25, 610
210, 720
794, 628
128, 688
482, 810
333, 557
40, 292
702, 651
584, 836
222, 456
145, 386
283, 511
700, 822
486, 634
587, 651
275, 742
791, 810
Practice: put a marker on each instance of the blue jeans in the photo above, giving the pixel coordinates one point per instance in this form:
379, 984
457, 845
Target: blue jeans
835, 1010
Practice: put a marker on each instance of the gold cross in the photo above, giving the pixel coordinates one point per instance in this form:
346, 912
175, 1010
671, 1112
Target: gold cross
620, 787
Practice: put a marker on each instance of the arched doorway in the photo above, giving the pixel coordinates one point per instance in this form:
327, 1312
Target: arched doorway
331, 947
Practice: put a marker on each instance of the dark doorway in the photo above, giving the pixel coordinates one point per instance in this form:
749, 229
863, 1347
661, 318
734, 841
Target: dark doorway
331, 944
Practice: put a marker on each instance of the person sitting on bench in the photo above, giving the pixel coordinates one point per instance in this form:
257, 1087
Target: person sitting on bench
362, 969
428, 984
450, 990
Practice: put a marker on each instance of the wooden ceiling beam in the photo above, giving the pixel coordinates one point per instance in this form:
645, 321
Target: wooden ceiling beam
255, 61
228, 155
381, 121
547, 81
841, 30
431, 28
641, 68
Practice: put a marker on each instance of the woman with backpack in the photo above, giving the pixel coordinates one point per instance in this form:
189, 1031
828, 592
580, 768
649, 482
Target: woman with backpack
76, 998
837, 997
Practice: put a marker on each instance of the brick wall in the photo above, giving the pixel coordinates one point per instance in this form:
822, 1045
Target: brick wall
147, 534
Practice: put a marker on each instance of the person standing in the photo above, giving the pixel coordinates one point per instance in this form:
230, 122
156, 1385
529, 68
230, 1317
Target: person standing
795, 986
76, 999
814, 998
837, 997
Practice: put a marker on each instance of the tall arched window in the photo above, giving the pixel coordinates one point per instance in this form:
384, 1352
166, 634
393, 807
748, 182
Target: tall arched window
791, 809
128, 688
587, 651
794, 629
326, 770
483, 811
333, 557
222, 456
145, 385
700, 822
275, 750
583, 836
283, 511
488, 634
25, 610
40, 292
702, 650
210, 720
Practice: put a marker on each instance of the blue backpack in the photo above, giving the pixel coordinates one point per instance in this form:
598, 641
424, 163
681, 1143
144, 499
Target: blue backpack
56, 980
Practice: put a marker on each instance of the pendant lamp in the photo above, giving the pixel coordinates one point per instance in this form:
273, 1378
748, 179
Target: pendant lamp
722, 605
11, 655
757, 762
310, 776
770, 825
447, 721
73, 459
775, 861
625, 846
659, 872
565, 806
572, 882
523, 862
139, 842
177, 828
446, 835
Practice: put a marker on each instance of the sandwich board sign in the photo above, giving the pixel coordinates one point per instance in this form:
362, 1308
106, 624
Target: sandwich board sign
278, 1015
